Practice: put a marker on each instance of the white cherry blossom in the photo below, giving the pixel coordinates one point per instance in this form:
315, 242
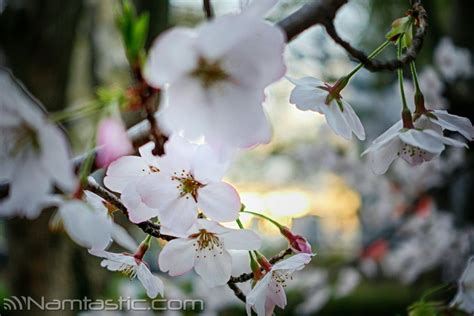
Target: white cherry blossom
189, 180
34, 153
205, 247
414, 145
311, 94
88, 223
215, 76
131, 267
464, 299
270, 290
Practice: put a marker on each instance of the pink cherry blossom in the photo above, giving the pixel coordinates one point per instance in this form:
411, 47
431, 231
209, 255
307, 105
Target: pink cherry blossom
113, 142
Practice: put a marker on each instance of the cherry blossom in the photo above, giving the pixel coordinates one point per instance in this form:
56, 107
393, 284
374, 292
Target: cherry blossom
215, 76
189, 180
464, 299
206, 248
113, 141
270, 290
311, 94
414, 145
132, 267
34, 154
88, 223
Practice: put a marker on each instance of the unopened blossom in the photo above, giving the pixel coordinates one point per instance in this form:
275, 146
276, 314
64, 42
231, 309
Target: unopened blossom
205, 247
190, 180
113, 141
464, 299
311, 94
297, 242
215, 76
88, 223
131, 266
414, 145
270, 290
34, 153
453, 62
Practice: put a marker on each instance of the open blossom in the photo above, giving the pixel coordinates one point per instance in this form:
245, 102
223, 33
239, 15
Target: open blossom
113, 141
216, 76
270, 290
311, 94
189, 181
206, 248
414, 145
131, 266
464, 299
88, 223
34, 154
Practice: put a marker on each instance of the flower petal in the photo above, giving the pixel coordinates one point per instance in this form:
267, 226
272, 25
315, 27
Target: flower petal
276, 293
220, 201
336, 120
121, 237
296, 262
382, 158
177, 256
123, 171
214, 265
171, 56
240, 239
455, 123
180, 215
152, 284
422, 140
138, 211
256, 298
353, 120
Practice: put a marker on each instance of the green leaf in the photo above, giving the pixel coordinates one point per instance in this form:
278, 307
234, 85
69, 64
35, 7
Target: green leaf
402, 27
423, 308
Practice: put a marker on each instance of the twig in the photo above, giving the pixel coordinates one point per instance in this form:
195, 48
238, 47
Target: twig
207, 7
148, 227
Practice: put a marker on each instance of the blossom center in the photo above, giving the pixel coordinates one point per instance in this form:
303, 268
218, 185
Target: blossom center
209, 73
411, 151
128, 270
207, 240
187, 185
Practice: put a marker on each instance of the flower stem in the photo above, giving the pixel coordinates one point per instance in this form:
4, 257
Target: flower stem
274, 222
377, 51
239, 223
419, 98
406, 114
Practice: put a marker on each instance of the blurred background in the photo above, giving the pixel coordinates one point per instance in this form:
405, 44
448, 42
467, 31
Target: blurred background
382, 241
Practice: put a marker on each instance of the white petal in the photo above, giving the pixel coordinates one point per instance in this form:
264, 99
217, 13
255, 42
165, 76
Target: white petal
146, 152
276, 293
157, 190
121, 237
138, 211
55, 157
152, 284
123, 171
220, 201
306, 95
208, 165
422, 140
257, 296
177, 257
296, 262
455, 123
180, 215
389, 133
336, 120
171, 56
85, 226
353, 120
214, 266
240, 239
445, 140
382, 158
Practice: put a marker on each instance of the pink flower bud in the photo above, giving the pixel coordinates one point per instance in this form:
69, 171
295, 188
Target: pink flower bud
113, 142
297, 243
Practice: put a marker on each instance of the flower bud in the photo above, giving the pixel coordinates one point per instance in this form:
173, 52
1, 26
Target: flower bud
263, 261
297, 243
141, 250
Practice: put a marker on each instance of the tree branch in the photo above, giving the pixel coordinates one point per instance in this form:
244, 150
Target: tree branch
207, 7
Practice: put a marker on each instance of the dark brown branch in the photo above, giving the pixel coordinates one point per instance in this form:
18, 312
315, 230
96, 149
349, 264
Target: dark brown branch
148, 227
418, 12
207, 7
